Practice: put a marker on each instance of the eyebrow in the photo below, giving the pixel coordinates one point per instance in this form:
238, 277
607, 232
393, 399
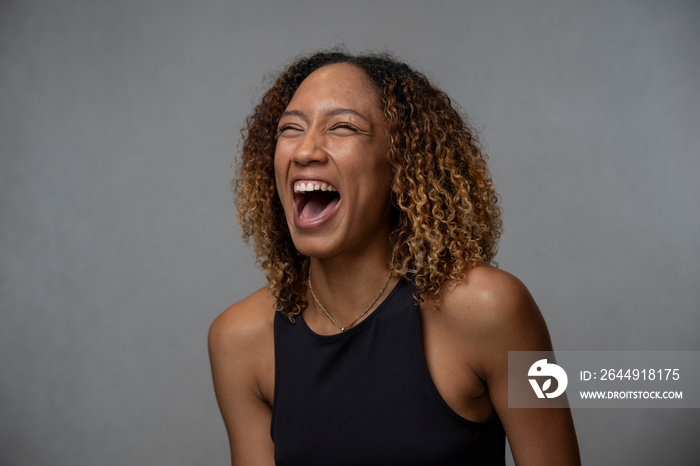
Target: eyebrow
330, 113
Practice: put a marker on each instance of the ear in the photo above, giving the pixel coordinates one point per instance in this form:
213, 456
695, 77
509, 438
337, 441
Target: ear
395, 187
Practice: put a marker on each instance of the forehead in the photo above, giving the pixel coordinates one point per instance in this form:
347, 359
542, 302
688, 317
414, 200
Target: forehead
339, 81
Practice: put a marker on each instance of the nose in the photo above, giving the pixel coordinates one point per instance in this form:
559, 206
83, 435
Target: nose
310, 150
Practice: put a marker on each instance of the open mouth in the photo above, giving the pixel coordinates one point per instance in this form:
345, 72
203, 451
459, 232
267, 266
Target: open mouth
314, 200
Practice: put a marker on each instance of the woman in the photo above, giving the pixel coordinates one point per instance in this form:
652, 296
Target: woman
383, 335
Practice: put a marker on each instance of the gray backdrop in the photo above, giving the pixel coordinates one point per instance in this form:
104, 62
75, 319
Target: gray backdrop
119, 122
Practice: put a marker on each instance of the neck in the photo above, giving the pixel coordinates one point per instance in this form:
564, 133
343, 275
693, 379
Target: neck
345, 286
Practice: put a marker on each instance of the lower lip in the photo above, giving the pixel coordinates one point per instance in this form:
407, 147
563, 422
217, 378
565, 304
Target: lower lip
317, 222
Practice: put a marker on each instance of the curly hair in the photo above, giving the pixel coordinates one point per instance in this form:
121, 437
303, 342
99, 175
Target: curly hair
445, 215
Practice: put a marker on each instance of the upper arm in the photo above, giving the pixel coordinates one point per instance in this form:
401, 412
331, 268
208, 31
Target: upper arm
509, 320
241, 352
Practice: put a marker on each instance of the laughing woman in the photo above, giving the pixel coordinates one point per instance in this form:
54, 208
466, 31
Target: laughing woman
383, 335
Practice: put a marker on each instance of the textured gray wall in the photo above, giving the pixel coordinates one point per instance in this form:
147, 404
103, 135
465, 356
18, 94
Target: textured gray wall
119, 121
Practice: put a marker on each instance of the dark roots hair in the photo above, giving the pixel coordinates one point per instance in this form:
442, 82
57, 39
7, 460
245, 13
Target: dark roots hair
445, 217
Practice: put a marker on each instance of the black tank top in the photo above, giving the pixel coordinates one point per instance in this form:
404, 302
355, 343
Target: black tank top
365, 397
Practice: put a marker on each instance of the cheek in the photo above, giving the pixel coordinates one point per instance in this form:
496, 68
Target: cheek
280, 168
382, 172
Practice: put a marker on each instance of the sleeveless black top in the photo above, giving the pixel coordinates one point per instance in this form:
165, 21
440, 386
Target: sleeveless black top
365, 397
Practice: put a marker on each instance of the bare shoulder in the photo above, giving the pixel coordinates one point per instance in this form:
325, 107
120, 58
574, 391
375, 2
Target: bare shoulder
245, 323
241, 345
489, 297
492, 313
495, 312
241, 352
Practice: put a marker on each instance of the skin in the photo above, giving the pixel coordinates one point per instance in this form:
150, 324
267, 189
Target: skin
334, 131
466, 341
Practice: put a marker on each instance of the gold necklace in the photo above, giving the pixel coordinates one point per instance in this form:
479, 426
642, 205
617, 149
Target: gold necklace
328, 314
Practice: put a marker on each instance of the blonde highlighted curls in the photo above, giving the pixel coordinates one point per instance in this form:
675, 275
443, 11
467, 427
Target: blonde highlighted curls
445, 217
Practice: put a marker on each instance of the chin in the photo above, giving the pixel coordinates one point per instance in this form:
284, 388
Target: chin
313, 250
315, 245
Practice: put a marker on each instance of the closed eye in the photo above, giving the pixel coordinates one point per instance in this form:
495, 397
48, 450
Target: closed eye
287, 129
345, 127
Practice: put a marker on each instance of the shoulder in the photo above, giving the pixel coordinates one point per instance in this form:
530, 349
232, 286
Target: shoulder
241, 352
488, 296
245, 324
494, 312
491, 313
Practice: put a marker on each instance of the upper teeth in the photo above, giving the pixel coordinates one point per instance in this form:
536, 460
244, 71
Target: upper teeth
305, 186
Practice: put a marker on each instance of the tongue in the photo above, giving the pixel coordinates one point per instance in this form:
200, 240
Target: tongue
314, 206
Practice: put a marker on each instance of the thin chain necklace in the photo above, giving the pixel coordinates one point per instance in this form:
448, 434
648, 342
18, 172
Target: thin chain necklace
335, 322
